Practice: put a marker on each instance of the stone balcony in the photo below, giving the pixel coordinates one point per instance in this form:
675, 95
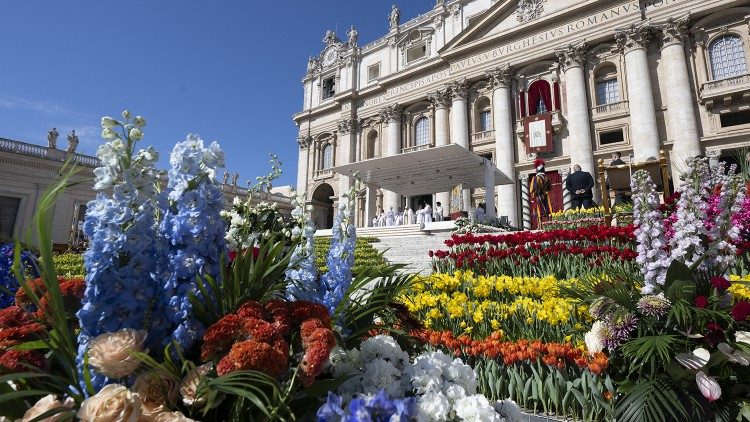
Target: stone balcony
726, 92
322, 174
416, 148
611, 110
52, 154
486, 137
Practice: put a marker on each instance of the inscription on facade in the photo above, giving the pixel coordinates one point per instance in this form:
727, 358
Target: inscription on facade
630, 9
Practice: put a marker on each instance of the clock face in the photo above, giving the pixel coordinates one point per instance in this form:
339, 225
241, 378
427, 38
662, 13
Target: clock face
329, 57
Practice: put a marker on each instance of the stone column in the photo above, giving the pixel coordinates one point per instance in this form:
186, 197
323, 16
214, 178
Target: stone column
371, 205
460, 123
634, 42
391, 115
441, 100
572, 60
564, 173
683, 128
501, 79
303, 163
347, 136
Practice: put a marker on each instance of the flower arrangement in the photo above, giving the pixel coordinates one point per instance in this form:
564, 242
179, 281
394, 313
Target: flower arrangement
8, 283
69, 265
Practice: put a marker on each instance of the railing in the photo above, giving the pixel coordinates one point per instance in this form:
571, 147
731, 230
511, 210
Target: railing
725, 83
483, 136
323, 173
416, 148
610, 108
52, 154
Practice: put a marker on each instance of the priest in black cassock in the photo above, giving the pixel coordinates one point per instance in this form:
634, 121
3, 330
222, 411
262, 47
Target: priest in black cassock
580, 185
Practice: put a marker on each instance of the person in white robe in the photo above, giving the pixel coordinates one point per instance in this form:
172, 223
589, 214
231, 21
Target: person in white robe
420, 215
399, 217
428, 214
390, 217
381, 220
410, 217
375, 221
438, 212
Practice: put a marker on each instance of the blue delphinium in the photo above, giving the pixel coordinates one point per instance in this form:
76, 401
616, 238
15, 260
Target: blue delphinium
193, 232
340, 259
121, 290
303, 273
380, 408
7, 278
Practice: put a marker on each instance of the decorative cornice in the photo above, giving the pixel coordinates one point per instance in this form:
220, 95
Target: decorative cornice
501, 76
459, 89
391, 113
674, 31
635, 37
574, 55
440, 98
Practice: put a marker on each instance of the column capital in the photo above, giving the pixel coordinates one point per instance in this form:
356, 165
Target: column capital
574, 55
635, 37
347, 126
714, 153
391, 113
304, 141
459, 89
501, 76
440, 98
674, 31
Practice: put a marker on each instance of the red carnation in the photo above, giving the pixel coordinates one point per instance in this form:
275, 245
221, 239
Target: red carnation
721, 284
741, 310
701, 302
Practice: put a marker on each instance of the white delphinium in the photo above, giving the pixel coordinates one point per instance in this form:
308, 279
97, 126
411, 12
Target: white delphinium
686, 244
729, 202
649, 222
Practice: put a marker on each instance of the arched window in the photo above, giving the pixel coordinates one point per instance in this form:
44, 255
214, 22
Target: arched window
483, 115
422, 131
540, 97
607, 89
327, 156
727, 56
372, 138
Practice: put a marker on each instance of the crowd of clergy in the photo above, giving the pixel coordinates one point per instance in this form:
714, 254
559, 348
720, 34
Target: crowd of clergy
425, 214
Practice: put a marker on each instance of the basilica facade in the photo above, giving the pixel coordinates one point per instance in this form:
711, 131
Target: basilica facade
596, 76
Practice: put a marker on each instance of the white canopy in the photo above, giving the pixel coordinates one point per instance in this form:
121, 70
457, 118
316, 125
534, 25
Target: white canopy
427, 171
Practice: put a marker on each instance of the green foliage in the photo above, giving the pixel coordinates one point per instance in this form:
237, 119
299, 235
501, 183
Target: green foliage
652, 400
366, 257
69, 265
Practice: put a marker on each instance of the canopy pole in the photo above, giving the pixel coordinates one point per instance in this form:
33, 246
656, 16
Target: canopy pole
489, 189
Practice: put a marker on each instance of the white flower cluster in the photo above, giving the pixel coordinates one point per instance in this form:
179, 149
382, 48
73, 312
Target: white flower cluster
649, 222
729, 202
686, 244
445, 388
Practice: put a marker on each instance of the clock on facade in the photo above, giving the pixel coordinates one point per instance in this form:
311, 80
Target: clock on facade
329, 57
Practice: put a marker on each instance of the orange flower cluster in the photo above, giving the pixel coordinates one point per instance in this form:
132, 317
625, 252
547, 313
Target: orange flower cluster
71, 289
254, 338
558, 355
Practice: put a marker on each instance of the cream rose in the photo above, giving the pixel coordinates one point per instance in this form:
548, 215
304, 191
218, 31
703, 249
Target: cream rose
113, 403
189, 386
44, 405
111, 354
173, 417
156, 394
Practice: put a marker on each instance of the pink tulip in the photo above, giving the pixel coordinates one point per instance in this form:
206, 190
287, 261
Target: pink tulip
708, 386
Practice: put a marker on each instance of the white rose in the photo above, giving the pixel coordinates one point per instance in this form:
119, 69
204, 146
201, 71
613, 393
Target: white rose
136, 134
114, 403
173, 417
189, 386
44, 405
111, 354
108, 122
139, 121
156, 394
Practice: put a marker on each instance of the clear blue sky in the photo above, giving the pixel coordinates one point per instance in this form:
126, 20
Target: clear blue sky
227, 70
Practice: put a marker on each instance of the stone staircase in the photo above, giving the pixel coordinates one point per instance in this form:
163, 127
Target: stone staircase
407, 244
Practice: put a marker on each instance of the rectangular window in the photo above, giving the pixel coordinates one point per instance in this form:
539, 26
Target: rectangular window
735, 119
485, 121
8, 214
329, 87
373, 72
613, 137
607, 92
415, 53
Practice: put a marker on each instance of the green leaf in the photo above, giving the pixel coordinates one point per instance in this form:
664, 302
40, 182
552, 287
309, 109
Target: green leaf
680, 282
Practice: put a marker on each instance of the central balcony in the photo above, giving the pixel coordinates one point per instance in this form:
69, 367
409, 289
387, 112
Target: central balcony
486, 137
724, 92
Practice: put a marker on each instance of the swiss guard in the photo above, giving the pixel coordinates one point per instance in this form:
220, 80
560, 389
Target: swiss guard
539, 188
